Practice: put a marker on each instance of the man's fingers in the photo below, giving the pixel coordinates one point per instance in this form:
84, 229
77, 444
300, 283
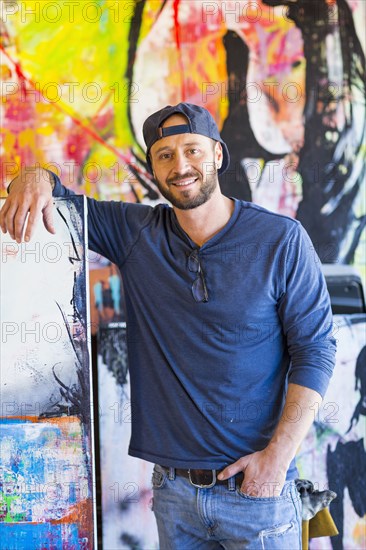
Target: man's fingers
34, 217
9, 219
19, 222
3, 212
251, 488
233, 469
48, 218
29, 192
14, 218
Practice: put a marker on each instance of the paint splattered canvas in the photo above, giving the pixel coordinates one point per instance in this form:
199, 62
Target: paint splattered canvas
127, 519
46, 430
333, 454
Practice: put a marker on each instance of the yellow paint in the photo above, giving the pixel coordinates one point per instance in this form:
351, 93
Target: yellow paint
359, 532
45, 130
75, 61
26, 138
8, 140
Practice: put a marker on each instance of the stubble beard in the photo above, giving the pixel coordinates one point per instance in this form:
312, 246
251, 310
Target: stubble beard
187, 202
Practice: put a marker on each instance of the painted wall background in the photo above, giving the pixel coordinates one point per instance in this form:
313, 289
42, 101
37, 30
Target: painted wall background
284, 80
333, 453
127, 518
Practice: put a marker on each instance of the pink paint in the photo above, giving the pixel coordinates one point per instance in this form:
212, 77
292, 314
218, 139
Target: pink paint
85, 129
178, 44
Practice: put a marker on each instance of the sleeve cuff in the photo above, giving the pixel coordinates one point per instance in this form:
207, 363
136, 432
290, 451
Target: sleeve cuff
56, 184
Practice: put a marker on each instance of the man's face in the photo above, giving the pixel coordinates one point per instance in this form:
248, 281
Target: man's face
185, 166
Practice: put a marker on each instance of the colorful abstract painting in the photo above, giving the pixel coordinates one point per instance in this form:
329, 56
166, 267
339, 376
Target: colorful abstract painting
47, 496
333, 455
127, 519
285, 81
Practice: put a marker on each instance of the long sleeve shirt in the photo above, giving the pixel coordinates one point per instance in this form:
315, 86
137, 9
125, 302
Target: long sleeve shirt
209, 379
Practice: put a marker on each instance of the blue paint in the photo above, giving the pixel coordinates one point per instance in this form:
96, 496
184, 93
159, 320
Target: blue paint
41, 536
36, 479
9, 420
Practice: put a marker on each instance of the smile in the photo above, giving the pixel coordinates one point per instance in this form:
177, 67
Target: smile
184, 183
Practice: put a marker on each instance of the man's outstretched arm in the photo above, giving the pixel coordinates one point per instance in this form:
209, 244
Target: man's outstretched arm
30, 192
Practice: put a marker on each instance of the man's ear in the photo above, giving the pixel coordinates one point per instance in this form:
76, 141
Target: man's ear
218, 154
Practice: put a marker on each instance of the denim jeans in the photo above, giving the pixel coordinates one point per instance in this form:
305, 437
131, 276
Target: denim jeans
189, 518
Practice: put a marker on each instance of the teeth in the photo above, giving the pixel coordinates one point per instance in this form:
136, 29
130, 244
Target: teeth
185, 183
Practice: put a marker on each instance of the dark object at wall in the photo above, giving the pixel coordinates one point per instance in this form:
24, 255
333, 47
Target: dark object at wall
345, 289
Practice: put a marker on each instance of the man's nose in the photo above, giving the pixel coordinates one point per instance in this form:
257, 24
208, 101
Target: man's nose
180, 163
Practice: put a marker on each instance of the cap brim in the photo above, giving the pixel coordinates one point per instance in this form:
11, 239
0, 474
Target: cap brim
225, 158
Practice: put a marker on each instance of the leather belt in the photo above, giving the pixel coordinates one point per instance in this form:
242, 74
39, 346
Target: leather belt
203, 479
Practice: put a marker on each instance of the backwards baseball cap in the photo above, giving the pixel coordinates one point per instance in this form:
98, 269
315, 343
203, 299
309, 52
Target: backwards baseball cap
199, 121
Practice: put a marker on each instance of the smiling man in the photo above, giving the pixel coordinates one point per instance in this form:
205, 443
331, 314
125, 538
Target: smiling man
185, 169
229, 337
185, 153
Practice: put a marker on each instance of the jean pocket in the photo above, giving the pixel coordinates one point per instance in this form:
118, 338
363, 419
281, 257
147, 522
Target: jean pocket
286, 494
280, 537
261, 499
159, 477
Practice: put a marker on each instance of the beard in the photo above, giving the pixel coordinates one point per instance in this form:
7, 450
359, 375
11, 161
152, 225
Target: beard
186, 201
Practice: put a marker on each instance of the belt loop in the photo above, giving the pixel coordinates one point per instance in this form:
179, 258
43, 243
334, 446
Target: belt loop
231, 483
171, 474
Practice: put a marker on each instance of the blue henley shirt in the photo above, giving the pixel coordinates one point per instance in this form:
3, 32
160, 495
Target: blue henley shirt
209, 379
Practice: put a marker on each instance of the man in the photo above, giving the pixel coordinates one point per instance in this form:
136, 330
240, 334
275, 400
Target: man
229, 338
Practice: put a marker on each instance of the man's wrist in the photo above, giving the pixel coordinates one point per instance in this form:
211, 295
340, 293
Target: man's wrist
52, 178
281, 449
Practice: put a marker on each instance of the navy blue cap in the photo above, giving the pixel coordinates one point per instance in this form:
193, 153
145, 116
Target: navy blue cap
199, 121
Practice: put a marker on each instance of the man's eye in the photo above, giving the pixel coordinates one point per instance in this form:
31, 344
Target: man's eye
194, 151
164, 156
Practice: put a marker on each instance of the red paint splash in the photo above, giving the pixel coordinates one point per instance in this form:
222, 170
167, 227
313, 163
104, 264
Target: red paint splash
23, 79
178, 44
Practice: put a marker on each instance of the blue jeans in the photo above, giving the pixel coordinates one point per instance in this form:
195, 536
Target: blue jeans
189, 518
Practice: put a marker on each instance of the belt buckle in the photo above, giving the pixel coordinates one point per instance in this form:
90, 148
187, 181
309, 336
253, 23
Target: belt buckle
195, 482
